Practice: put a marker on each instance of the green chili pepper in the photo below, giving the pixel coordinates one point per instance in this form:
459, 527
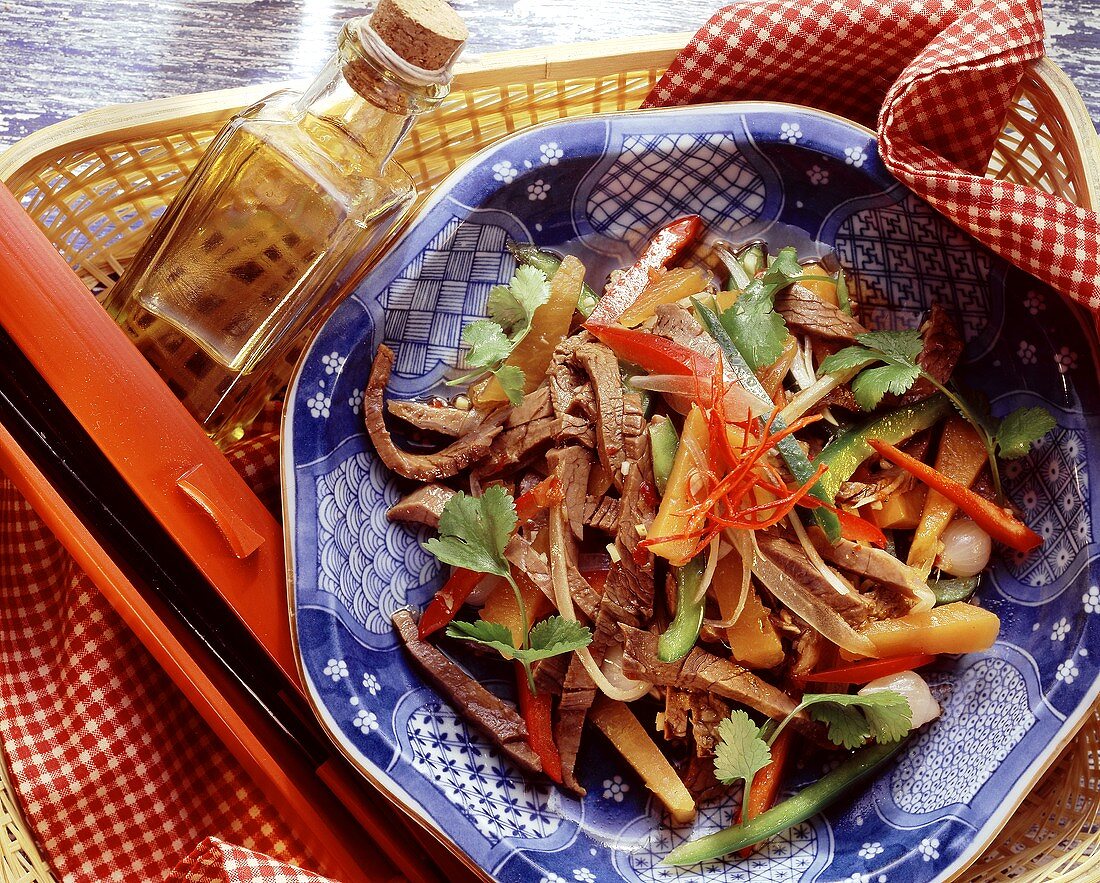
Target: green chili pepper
548, 263
683, 632
663, 444
793, 811
789, 448
948, 591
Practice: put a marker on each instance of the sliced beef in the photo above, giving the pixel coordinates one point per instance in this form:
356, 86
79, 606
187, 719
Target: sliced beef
532, 566
603, 513
700, 780
578, 694
634, 425
805, 311
422, 506
703, 672
807, 651
943, 346
490, 714
550, 673
469, 449
880, 566
518, 445
707, 712
572, 465
679, 325
566, 381
432, 417
534, 406
677, 714
602, 367
792, 560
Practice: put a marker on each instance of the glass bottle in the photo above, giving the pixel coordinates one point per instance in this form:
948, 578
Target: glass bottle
290, 201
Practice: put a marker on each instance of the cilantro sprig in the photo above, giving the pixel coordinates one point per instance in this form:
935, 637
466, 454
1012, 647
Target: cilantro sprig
850, 721
491, 341
894, 355
741, 752
473, 534
752, 322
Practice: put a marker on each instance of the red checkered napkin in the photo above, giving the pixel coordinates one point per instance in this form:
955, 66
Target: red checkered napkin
215, 861
937, 75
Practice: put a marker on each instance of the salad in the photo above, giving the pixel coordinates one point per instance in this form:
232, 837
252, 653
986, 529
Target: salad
709, 513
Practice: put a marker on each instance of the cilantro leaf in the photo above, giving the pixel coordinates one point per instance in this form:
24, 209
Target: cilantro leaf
553, 636
512, 306
487, 343
873, 383
904, 346
851, 719
754, 326
740, 752
850, 358
473, 531
783, 269
1019, 430
512, 380
489, 634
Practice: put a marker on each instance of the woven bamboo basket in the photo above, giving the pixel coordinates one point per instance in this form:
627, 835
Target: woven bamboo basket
94, 184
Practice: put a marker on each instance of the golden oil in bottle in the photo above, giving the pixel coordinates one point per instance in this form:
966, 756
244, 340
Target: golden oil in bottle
290, 201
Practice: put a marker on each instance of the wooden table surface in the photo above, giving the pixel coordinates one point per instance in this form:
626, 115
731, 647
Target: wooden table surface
61, 57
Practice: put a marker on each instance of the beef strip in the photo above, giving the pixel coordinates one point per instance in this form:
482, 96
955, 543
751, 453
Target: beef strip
707, 712
805, 311
572, 465
443, 419
941, 351
602, 367
534, 406
700, 780
550, 673
706, 673
498, 720
792, 560
678, 324
602, 513
634, 425
674, 721
422, 506
533, 567
807, 651
577, 695
518, 445
906, 582
469, 449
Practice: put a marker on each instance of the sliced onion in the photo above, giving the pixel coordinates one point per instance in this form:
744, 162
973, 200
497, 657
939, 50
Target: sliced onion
816, 613
802, 368
834, 579
559, 564
708, 571
966, 548
913, 687
613, 670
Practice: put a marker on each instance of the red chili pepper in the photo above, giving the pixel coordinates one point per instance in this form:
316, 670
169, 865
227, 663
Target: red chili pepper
542, 496
452, 595
540, 731
658, 355
765, 784
624, 287
999, 523
860, 530
872, 670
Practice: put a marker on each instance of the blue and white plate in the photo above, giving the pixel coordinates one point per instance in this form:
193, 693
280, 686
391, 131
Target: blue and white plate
603, 183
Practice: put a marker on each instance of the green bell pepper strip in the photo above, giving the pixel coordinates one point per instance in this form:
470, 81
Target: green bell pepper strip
948, 591
663, 444
793, 811
683, 632
736, 368
548, 263
844, 454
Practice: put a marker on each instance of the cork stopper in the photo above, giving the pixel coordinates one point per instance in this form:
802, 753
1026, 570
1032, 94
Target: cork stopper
426, 33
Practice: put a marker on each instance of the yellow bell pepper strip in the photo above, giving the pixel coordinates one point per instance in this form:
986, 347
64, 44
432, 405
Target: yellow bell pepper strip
665, 289
548, 263
793, 811
961, 456
999, 523
616, 721
844, 454
789, 448
683, 631
625, 287
549, 326
952, 628
672, 520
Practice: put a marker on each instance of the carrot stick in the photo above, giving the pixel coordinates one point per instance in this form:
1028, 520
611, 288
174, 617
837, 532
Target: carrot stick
999, 523
765, 785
